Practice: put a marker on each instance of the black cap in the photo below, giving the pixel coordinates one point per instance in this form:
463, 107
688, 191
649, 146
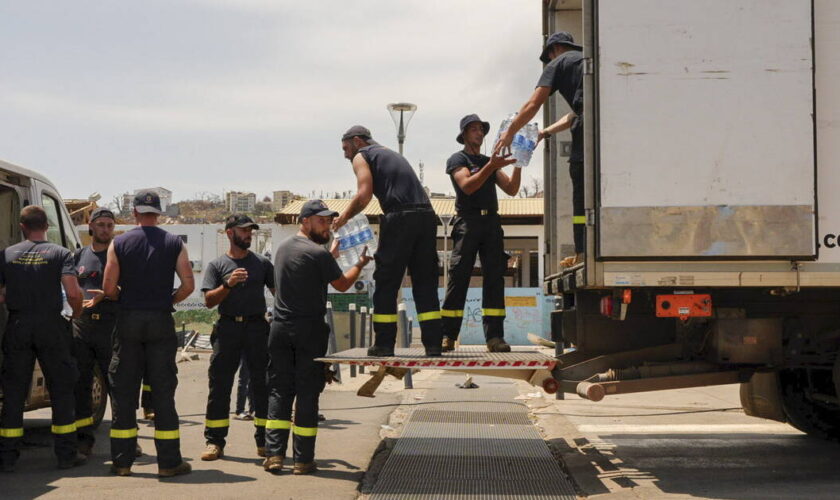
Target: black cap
559, 38
357, 131
101, 212
243, 221
465, 122
315, 207
147, 202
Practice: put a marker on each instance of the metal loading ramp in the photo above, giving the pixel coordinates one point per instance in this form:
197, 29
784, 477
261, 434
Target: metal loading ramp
463, 449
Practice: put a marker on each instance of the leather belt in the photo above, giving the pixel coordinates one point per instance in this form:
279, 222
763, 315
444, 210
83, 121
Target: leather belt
243, 319
468, 213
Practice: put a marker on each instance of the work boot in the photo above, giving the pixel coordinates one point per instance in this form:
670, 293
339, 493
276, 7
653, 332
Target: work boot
498, 344
138, 452
273, 464
212, 452
178, 470
148, 414
69, 463
448, 344
572, 261
433, 351
261, 451
121, 471
86, 448
302, 468
376, 351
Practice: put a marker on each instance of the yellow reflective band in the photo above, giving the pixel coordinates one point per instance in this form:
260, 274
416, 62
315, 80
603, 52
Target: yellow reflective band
450, 313
385, 318
124, 433
147, 388
84, 422
306, 431
11, 433
278, 424
579, 219
64, 429
260, 422
426, 316
214, 424
493, 312
176, 434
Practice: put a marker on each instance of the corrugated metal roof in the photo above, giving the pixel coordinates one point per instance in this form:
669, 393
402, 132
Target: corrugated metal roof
510, 207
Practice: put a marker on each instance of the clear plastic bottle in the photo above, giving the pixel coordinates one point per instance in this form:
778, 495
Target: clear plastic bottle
353, 237
524, 142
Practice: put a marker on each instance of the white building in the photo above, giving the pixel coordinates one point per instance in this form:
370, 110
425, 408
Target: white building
238, 202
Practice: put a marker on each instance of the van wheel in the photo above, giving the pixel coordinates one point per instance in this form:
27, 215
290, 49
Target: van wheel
814, 417
99, 396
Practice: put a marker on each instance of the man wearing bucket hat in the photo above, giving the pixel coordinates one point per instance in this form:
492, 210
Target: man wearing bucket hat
563, 73
302, 270
477, 229
407, 239
236, 282
93, 331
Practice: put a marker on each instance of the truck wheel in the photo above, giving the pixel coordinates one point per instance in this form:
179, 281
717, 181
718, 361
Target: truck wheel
99, 390
815, 418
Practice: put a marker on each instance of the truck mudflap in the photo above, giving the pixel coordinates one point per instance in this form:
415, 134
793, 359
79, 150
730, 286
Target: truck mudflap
523, 364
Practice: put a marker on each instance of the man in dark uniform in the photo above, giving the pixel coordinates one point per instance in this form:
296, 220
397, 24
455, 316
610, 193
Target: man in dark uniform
93, 331
563, 73
32, 274
140, 270
235, 283
477, 229
299, 334
407, 239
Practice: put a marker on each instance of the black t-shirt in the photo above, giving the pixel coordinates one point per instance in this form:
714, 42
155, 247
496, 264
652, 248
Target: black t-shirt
31, 272
302, 271
483, 199
564, 74
245, 299
91, 267
147, 257
394, 182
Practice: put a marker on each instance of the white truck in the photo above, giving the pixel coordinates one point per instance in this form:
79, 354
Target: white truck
20, 187
713, 220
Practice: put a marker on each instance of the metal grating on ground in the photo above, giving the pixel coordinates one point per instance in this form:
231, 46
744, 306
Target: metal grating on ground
471, 450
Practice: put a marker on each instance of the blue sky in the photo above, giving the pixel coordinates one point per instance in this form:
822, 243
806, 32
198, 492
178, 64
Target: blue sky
251, 95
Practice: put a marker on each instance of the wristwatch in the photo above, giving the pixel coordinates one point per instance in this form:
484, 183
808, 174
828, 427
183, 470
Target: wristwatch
225, 284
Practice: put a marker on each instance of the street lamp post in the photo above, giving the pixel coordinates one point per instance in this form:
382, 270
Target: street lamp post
401, 113
445, 219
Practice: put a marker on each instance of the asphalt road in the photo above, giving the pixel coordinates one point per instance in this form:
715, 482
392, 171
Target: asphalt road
693, 443
346, 443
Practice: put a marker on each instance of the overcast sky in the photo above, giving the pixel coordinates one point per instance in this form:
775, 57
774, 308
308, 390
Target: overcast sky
251, 95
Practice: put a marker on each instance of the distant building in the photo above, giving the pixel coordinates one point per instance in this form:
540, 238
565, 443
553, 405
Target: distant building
281, 199
237, 202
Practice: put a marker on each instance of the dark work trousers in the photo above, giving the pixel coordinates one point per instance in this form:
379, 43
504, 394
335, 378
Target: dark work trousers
146, 395
471, 235
46, 337
144, 342
230, 339
578, 211
244, 389
93, 337
295, 377
407, 239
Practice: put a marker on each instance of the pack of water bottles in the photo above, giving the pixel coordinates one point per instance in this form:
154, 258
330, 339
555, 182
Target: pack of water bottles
524, 142
353, 237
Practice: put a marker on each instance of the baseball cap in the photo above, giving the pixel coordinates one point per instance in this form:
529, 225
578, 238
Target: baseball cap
101, 212
147, 202
315, 207
465, 122
238, 220
559, 38
357, 131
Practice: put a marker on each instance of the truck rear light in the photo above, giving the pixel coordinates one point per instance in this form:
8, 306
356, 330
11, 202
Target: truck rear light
684, 306
607, 306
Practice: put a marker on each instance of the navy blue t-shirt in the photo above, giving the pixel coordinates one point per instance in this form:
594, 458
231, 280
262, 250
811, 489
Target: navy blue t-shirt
91, 267
302, 271
147, 256
485, 197
394, 182
247, 298
31, 271
564, 74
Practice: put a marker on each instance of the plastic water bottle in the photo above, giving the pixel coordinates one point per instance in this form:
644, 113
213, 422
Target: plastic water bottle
66, 310
353, 237
524, 142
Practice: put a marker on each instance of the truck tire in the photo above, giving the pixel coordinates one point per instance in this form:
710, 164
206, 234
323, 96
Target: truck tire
815, 418
99, 396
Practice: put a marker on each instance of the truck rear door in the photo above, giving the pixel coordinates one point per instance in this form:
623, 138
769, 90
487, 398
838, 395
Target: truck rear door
705, 144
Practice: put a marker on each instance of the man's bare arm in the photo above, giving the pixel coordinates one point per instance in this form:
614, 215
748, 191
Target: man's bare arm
350, 276
364, 191
526, 113
510, 185
560, 125
73, 293
470, 183
184, 271
112, 274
